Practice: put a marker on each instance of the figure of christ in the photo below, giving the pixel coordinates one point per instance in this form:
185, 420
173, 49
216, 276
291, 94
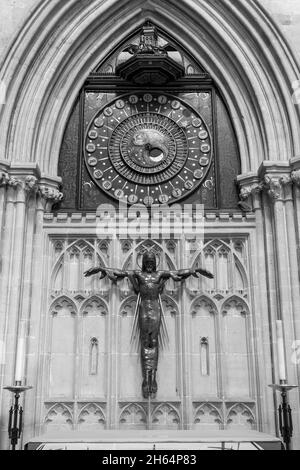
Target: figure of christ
148, 284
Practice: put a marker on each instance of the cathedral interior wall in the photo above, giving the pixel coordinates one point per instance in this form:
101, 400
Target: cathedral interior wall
254, 255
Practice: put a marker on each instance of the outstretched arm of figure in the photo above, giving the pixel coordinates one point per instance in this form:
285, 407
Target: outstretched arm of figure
93, 271
186, 273
111, 273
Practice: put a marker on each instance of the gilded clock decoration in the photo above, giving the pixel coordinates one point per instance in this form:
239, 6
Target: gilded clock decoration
146, 148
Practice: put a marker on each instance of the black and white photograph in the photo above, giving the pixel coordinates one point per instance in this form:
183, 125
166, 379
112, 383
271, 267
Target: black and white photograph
149, 228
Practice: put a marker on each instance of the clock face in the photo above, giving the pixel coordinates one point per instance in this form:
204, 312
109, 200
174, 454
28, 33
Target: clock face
148, 149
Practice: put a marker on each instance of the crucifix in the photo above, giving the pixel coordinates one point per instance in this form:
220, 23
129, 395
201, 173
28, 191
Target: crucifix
148, 284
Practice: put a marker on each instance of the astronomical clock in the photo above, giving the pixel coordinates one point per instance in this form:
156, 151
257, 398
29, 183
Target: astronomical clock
148, 148
152, 130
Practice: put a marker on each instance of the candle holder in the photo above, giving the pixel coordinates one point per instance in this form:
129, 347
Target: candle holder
15, 423
285, 412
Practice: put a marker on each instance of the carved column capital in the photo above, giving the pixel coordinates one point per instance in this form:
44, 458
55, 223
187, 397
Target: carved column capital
7, 180
247, 191
275, 185
26, 181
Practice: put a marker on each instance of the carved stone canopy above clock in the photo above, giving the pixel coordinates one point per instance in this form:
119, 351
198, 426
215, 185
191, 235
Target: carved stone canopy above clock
150, 63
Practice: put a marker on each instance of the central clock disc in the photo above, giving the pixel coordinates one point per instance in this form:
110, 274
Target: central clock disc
148, 148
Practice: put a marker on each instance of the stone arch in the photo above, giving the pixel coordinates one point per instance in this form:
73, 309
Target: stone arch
101, 304
235, 41
240, 414
166, 416
211, 414
92, 416
79, 246
240, 303
208, 302
75, 245
133, 415
59, 301
60, 413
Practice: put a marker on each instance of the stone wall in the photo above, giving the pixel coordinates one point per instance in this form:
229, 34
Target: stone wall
251, 64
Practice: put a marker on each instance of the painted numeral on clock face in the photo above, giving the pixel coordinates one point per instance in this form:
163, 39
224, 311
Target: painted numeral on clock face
176, 192
93, 134
205, 148
98, 174
91, 148
108, 112
99, 122
163, 198
92, 161
120, 104
175, 104
133, 99
133, 199
107, 185
203, 135
162, 99
204, 161
188, 184
198, 174
148, 98
119, 193
197, 122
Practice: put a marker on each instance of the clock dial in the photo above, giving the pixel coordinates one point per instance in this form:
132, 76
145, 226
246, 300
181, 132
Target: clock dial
148, 149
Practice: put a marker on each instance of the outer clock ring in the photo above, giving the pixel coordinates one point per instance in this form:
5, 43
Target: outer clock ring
148, 148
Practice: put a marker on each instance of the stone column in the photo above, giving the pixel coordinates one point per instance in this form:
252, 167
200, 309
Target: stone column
12, 280
20, 226
261, 298
277, 184
34, 314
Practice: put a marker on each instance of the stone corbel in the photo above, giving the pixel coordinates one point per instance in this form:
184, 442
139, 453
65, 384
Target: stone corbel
250, 189
247, 191
49, 196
